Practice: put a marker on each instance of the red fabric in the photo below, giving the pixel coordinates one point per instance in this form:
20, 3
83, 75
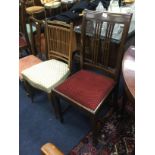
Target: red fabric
27, 62
22, 42
87, 88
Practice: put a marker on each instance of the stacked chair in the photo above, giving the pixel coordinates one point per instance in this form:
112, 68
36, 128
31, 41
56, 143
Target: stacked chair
51, 5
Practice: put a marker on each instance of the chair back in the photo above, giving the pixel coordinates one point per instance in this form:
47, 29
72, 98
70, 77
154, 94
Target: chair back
60, 41
100, 32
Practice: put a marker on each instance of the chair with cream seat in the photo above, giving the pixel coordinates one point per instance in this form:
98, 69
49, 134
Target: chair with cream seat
66, 4
51, 5
27, 61
96, 83
31, 8
48, 74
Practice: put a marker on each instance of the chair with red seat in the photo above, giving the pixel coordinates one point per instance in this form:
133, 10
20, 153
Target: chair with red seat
86, 89
23, 44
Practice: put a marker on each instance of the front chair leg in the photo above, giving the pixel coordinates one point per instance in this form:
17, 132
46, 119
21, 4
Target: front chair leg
28, 89
51, 100
94, 130
57, 106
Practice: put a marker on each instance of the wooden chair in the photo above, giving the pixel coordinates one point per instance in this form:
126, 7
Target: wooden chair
46, 75
31, 8
38, 42
23, 44
52, 5
33, 58
89, 90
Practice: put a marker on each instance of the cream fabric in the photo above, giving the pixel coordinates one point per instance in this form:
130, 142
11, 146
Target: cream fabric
53, 5
34, 9
46, 75
67, 1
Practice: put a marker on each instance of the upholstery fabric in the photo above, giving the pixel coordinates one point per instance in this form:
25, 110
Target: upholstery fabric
45, 1
87, 88
53, 5
34, 9
67, 1
46, 75
22, 42
27, 62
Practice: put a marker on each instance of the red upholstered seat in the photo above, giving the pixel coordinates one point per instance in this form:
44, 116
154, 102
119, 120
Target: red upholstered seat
22, 42
87, 88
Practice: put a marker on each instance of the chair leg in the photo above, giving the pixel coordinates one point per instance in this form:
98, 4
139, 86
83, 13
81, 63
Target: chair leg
51, 100
94, 130
57, 106
29, 90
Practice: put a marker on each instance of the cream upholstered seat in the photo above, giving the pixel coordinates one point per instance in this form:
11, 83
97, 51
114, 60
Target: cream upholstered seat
52, 5
46, 75
67, 1
34, 9
27, 62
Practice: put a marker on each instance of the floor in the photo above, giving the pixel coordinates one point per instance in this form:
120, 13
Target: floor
38, 125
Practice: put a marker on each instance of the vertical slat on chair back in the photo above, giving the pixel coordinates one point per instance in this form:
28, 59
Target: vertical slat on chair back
59, 40
98, 36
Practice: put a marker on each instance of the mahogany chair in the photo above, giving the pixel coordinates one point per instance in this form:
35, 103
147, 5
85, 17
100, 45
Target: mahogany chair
46, 75
38, 42
23, 44
32, 59
90, 88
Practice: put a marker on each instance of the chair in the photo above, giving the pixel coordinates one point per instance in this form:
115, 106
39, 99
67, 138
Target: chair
90, 88
23, 44
46, 75
33, 58
38, 37
31, 8
51, 5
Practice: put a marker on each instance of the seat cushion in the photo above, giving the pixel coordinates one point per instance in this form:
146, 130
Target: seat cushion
67, 1
22, 42
53, 5
87, 88
27, 62
46, 75
34, 9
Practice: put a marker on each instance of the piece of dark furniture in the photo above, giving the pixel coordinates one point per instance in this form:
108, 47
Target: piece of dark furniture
89, 90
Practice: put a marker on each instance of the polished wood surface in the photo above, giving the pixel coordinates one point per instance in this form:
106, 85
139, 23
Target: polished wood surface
128, 69
50, 149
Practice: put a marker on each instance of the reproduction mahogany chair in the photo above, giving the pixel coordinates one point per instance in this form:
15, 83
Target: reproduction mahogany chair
46, 75
33, 58
89, 89
38, 42
23, 44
